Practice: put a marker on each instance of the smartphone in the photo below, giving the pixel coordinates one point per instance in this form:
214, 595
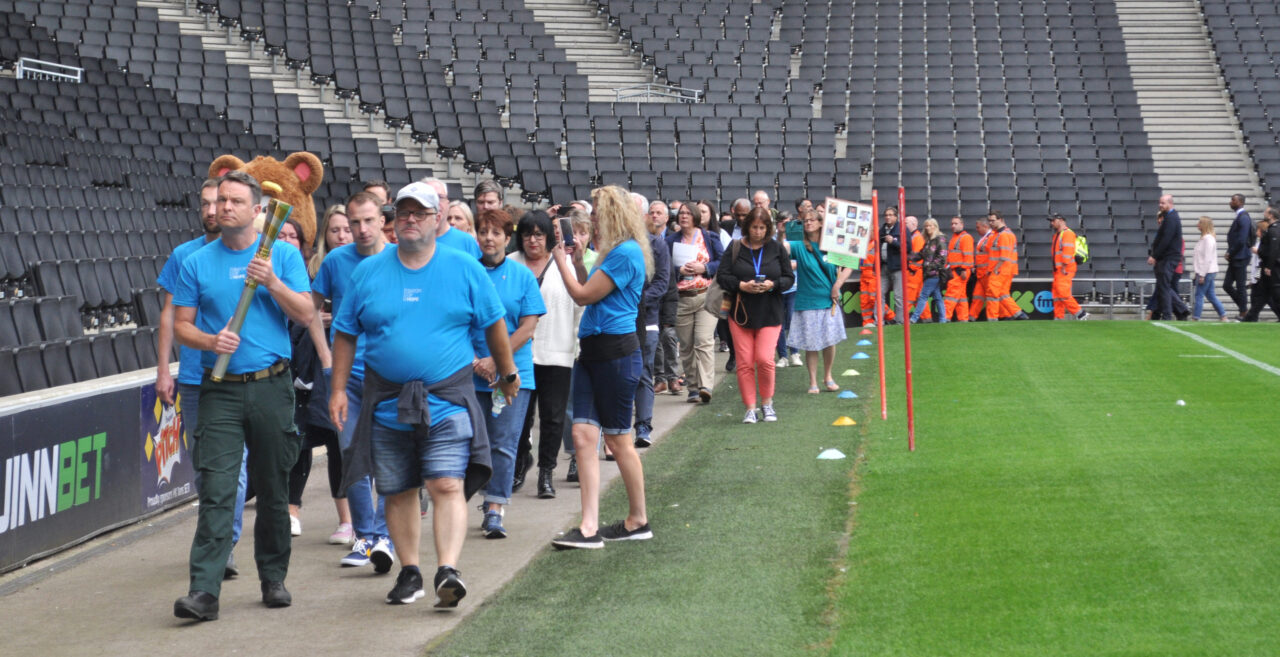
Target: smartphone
566, 230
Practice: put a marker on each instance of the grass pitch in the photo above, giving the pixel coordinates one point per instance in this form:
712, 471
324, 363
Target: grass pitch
1059, 502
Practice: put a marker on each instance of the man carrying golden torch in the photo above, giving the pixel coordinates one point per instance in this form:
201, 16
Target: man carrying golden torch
252, 404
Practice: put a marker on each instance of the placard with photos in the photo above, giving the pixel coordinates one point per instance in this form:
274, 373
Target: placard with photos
846, 231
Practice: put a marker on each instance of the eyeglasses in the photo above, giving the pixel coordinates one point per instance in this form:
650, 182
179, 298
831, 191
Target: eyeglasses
418, 216
534, 236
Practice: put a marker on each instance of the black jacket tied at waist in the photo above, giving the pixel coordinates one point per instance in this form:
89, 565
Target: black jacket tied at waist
411, 408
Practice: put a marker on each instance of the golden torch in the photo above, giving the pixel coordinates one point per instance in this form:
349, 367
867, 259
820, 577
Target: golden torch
277, 213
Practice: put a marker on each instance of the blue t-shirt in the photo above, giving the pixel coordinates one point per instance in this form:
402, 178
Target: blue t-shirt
461, 241
418, 322
189, 371
616, 313
518, 290
211, 281
332, 282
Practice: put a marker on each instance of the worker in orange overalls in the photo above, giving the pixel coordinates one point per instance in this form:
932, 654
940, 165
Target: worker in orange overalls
981, 268
870, 287
1064, 270
915, 275
959, 267
1004, 266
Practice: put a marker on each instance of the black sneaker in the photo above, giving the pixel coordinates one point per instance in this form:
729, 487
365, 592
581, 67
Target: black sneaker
449, 587
408, 587
643, 441
573, 539
704, 395
618, 532
572, 476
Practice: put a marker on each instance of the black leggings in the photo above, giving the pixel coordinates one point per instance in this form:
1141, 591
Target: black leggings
551, 399
315, 437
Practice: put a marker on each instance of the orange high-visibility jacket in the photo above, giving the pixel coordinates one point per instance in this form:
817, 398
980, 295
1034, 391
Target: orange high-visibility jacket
982, 255
960, 253
917, 243
869, 262
1064, 252
1004, 254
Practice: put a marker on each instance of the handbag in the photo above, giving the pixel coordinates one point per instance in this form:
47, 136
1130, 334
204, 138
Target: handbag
719, 300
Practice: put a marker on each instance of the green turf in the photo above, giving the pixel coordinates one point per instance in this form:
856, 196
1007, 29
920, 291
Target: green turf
1061, 503
747, 526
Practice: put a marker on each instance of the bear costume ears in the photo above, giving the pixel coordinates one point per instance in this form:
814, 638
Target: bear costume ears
305, 167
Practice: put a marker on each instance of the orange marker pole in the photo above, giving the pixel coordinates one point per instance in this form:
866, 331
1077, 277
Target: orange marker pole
906, 321
875, 230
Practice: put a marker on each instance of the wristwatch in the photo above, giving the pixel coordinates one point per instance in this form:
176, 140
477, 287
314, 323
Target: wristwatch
509, 378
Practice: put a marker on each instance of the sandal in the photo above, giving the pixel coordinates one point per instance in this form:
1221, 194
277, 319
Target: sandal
813, 390
832, 386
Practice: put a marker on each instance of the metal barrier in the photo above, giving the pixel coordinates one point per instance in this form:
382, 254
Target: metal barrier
36, 69
653, 91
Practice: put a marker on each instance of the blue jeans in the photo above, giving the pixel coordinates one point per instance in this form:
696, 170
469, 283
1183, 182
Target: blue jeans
190, 393
1205, 290
789, 307
367, 519
930, 288
504, 438
644, 389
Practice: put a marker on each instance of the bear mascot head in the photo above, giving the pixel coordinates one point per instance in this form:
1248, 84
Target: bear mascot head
298, 176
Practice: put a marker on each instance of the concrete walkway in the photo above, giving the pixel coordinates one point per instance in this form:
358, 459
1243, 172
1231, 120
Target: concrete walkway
114, 595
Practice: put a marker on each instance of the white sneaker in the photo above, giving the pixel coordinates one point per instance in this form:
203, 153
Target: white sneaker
795, 359
382, 555
769, 414
295, 526
750, 417
782, 362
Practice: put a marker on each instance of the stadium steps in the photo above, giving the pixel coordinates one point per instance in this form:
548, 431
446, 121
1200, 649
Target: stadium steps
590, 42
309, 96
1196, 142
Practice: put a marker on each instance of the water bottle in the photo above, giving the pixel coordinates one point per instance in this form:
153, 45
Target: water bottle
499, 402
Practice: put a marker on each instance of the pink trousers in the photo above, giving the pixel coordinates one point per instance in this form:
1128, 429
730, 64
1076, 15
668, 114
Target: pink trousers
753, 349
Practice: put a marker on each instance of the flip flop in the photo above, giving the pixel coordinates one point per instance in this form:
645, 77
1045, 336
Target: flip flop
813, 390
832, 386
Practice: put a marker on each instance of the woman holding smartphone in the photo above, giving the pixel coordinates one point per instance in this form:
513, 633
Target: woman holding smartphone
756, 274
609, 363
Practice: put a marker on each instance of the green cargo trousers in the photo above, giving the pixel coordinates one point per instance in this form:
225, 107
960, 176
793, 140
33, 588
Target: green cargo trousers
258, 414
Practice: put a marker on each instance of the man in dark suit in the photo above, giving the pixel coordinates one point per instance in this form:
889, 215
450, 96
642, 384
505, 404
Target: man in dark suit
1165, 255
1239, 238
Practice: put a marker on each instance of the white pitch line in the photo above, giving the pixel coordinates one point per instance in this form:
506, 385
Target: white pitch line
1217, 347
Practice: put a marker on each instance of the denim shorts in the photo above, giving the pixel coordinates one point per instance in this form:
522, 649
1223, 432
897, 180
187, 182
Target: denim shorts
604, 392
400, 463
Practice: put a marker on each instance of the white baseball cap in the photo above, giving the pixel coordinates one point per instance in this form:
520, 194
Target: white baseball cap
421, 192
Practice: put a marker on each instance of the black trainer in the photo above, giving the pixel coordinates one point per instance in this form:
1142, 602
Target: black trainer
572, 476
449, 587
275, 595
197, 605
643, 441
618, 532
408, 587
573, 539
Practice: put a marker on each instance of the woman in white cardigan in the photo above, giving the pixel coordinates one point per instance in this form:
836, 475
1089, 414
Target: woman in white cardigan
1205, 264
555, 345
